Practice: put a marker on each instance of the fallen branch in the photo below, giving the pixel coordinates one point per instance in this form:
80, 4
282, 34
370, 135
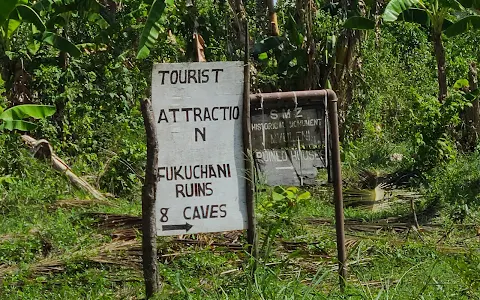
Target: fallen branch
43, 149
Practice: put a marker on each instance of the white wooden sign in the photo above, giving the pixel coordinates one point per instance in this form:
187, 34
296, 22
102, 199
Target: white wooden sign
201, 178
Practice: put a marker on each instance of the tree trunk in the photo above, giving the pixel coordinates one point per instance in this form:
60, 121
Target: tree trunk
440, 57
344, 65
378, 8
239, 15
273, 18
341, 75
149, 234
473, 82
471, 115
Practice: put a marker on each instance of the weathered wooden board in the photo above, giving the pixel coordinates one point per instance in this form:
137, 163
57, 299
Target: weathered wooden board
278, 134
284, 128
289, 167
201, 179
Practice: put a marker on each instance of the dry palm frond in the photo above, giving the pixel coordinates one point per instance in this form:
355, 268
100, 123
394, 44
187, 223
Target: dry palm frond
377, 283
125, 234
379, 198
112, 221
48, 266
7, 269
7, 238
303, 246
351, 244
126, 228
231, 246
71, 203
388, 224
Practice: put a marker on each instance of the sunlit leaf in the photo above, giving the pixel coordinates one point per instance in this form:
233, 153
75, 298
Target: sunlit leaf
292, 189
289, 194
277, 196
263, 56
34, 45
152, 28
396, 7
12, 26
17, 125
20, 112
460, 84
304, 196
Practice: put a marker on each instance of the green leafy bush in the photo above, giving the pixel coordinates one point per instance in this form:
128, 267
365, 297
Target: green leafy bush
282, 202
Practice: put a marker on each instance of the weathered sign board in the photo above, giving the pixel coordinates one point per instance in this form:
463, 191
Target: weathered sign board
289, 143
286, 167
201, 178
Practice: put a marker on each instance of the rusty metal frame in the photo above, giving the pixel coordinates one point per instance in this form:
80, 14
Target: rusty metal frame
307, 98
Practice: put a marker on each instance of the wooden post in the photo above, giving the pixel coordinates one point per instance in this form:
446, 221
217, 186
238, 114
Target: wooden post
247, 150
149, 237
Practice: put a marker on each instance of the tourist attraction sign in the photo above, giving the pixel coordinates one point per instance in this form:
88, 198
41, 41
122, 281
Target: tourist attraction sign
201, 179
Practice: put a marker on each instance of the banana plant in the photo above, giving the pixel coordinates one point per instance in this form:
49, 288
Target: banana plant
14, 118
153, 27
439, 16
15, 12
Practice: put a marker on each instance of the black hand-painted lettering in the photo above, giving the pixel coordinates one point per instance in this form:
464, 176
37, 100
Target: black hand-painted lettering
174, 112
223, 210
187, 115
185, 213
174, 72
200, 133
216, 73
205, 76
163, 75
164, 212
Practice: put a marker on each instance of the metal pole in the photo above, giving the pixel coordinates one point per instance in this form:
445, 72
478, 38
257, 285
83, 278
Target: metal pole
337, 192
319, 95
290, 96
247, 150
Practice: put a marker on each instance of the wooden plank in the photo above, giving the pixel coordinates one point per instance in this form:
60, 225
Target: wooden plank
280, 136
201, 176
277, 128
289, 167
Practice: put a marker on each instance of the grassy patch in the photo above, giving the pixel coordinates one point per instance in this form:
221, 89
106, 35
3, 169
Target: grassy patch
67, 251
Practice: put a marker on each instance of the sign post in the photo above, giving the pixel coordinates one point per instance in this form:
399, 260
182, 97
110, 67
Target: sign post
149, 239
310, 97
289, 141
198, 109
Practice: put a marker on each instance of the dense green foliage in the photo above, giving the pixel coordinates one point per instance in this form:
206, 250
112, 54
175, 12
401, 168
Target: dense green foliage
91, 60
